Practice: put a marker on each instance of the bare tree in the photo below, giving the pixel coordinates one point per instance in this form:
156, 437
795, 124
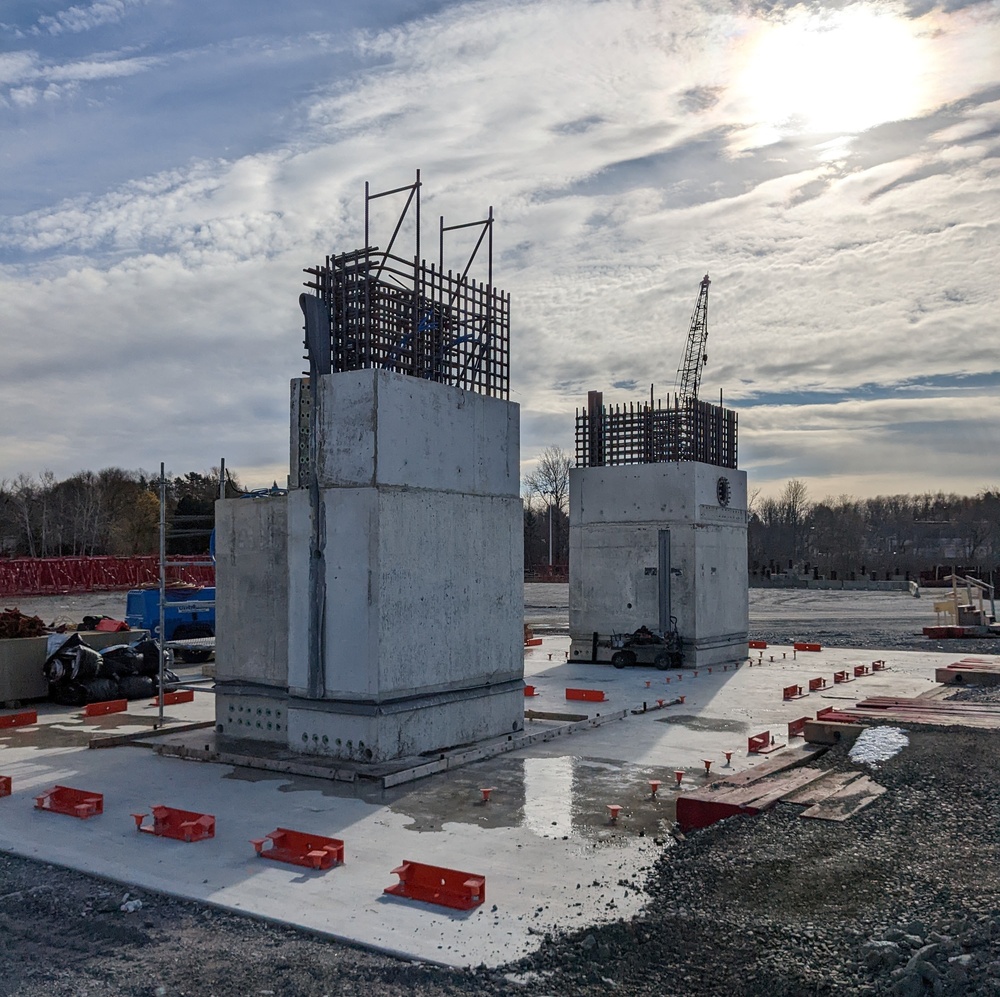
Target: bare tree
549, 482
550, 478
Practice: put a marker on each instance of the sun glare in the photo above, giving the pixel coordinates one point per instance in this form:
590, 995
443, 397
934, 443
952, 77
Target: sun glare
838, 72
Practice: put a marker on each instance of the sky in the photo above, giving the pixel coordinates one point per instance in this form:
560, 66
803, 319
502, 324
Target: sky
169, 168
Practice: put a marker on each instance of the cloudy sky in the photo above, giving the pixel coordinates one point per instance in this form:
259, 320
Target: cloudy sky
170, 167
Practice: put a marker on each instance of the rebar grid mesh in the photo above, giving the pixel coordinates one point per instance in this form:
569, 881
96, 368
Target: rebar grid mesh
640, 433
409, 316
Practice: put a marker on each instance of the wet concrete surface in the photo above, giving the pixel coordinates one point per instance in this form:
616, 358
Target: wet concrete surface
548, 809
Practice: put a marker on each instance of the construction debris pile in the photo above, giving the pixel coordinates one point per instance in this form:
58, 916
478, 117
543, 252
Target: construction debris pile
14, 623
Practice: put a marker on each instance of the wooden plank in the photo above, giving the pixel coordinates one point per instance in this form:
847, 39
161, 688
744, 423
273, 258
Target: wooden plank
789, 758
847, 801
777, 787
817, 791
761, 792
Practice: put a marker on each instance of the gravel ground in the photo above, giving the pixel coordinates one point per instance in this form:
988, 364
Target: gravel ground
902, 899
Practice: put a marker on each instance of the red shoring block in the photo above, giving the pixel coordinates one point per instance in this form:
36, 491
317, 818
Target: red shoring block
694, 812
757, 644
758, 741
182, 825
108, 706
24, 719
791, 692
170, 698
797, 728
72, 802
590, 695
299, 848
533, 642
437, 885
860, 671
818, 683
823, 712
804, 646
529, 691
6, 785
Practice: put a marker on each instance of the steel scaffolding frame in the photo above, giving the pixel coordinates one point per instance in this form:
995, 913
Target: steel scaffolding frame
385, 311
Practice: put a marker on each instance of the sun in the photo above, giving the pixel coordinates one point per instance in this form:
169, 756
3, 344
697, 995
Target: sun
838, 72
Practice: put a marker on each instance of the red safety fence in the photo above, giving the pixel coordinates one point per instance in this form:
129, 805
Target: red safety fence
23, 576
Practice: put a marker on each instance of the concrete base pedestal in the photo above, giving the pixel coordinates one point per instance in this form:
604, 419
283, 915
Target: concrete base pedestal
653, 541
409, 549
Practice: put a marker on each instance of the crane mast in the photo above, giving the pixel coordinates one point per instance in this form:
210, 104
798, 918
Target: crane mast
689, 373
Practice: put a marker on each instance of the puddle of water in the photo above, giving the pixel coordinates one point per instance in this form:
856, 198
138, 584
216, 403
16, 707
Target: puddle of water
548, 795
714, 724
561, 797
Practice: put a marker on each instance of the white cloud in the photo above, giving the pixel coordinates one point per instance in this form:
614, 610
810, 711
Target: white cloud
604, 134
84, 18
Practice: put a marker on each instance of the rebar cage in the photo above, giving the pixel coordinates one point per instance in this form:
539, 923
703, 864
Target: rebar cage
394, 313
684, 429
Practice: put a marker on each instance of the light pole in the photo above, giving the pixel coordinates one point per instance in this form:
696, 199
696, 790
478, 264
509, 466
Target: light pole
550, 533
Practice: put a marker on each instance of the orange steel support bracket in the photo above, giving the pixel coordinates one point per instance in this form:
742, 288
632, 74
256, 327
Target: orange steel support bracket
843, 676
25, 719
818, 683
762, 744
183, 825
102, 709
591, 695
169, 698
792, 692
299, 848
797, 728
860, 671
73, 802
6, 785
437, 885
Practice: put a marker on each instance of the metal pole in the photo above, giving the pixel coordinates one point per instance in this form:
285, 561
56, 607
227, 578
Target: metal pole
163, 584
550, 534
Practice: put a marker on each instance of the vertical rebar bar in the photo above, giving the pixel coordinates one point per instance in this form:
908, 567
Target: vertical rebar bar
163, 586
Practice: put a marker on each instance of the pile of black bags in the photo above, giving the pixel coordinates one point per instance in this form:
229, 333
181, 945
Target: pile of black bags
77, 674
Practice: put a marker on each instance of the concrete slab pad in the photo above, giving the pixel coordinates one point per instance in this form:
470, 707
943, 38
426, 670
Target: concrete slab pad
551, 856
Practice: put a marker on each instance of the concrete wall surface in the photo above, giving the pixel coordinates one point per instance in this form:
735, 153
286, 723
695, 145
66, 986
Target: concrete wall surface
384, 428
420, 517
251, 591
616, 517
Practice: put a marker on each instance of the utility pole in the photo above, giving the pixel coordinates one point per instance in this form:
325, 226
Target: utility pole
551, 495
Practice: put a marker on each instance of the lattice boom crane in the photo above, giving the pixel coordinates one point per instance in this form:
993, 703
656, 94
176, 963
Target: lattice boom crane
689, 373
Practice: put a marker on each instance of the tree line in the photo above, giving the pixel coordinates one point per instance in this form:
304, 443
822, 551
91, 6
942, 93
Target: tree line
888, 536
114, 511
